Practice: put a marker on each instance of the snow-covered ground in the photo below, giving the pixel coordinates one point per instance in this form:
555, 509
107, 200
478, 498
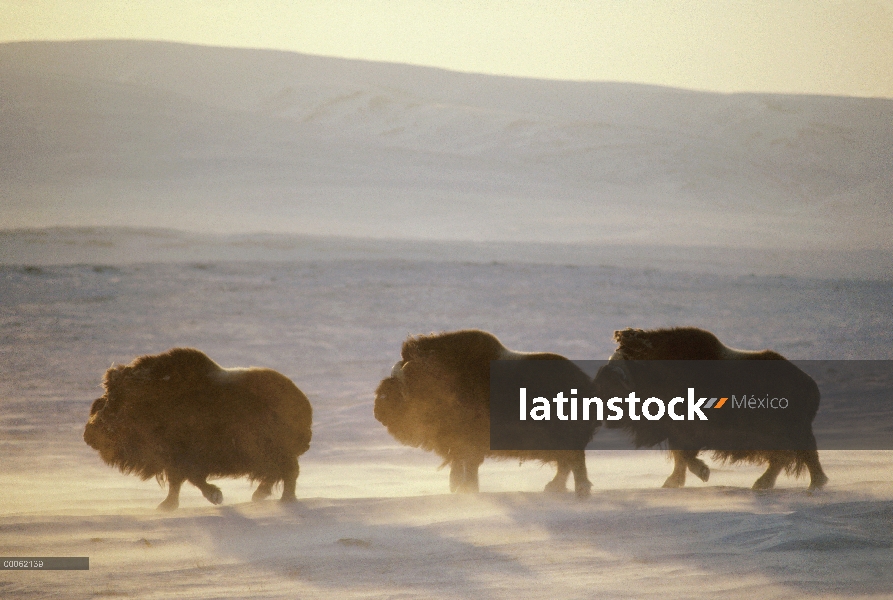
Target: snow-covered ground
374, 518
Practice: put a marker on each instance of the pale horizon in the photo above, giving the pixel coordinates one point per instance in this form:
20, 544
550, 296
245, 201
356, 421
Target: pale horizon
824, 48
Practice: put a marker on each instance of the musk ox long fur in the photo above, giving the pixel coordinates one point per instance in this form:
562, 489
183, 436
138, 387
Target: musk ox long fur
178, 416
686, 438
438, 398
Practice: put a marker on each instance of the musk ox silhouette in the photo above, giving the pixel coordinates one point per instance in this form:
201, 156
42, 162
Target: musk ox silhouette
437, 398
178, 416
685, 438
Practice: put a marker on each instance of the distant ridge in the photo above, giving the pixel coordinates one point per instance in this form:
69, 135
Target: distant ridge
156, 134
103, 246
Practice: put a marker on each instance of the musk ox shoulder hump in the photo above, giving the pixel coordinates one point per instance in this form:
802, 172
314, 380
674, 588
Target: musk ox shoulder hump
680, 343
174, 362
459, 346
452, 346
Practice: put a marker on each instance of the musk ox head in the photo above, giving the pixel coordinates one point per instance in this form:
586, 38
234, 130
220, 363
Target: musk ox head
125, 422
437, 396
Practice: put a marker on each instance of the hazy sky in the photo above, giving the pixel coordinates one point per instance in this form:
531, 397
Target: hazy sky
809, 46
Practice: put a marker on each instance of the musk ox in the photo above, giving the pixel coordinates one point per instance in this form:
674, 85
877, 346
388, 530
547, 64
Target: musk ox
178, 416
438, 398
788, 429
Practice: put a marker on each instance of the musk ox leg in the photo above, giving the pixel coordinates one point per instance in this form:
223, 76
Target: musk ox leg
263, 491
575, 463
172, 501
472, 484
558, 485
290, 484
457, 475
677, 477
680, 464
464, 475
686, 459
698, 467
209, 491
582, 485
817, 477
767, 479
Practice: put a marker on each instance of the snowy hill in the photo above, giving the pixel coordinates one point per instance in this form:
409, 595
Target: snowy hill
214, 139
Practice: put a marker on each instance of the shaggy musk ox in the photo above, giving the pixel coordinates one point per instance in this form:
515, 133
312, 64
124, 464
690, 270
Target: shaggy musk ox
181, 417
438, 398
790, 428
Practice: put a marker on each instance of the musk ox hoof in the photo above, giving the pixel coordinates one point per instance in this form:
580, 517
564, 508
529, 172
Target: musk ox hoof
763, 484
555, 487
261, 493
583, 490
674, 482
818, 483
289, 499
700, 470
169, 504
213, 494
